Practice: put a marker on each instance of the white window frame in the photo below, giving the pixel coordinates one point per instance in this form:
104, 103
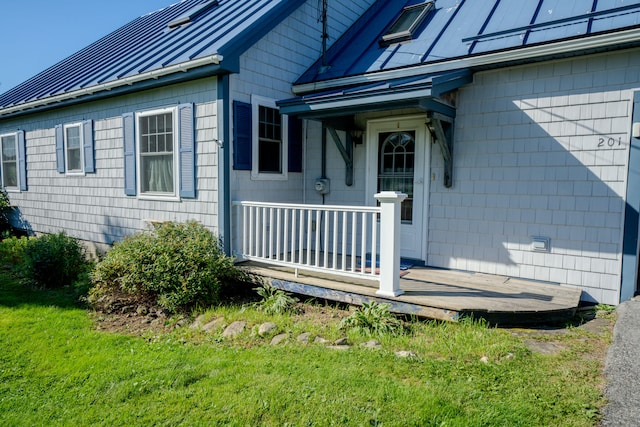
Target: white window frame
256, 103
175, 195
68, 171
15, 189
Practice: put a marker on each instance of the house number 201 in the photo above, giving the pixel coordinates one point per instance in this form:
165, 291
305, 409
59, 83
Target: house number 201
609, 142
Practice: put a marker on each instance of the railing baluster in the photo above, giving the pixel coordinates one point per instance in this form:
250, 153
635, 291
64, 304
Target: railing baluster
278, 230
374, 244
251, 231
317, 245
363, 244
334, 261
325, 246
344, 241
301, 239
285, 237
309, 227
354, 253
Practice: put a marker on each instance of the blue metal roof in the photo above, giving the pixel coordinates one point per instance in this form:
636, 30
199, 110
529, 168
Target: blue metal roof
226, 28
465, 28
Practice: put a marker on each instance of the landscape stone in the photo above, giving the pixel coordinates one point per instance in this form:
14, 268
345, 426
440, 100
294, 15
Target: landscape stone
341, 341
339, 347
304, 337
278, 339
234, 329
371, 344
320, 340
217, 322
544, 347
198, 322
267, 328
405, 354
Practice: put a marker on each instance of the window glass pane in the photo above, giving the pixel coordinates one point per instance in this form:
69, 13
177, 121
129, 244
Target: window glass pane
73, 137
74, 161
396, 152
73, 155
269, 140
9, 148
156, 154
157, 174
9, 161
406, 20
269, 157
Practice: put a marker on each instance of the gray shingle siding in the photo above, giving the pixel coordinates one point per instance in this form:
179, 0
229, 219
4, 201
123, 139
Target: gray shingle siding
94, 207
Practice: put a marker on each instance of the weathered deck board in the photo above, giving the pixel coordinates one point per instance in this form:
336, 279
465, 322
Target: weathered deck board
441, 294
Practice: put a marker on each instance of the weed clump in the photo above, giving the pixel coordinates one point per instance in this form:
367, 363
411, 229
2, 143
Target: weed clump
274, 301
373, 319
178, 266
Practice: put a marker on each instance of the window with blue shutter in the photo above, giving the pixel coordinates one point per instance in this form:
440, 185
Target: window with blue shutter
295, 144
60, 148
22, 161
129, 145
242, 148
187, 151
88, 146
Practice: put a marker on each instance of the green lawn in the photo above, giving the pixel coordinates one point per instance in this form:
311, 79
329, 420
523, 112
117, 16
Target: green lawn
57, 369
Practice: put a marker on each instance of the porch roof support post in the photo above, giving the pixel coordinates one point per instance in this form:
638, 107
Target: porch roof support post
389, 243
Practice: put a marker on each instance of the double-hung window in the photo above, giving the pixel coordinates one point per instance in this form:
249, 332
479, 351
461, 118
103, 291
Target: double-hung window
160, 153
75, 146
157, 153
73, 149
9, 148
270, 148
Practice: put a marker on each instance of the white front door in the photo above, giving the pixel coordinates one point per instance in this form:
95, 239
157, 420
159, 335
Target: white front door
398, 160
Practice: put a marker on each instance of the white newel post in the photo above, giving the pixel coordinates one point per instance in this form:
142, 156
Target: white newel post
390, 243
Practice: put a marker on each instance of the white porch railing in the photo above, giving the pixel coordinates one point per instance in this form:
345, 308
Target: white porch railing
341, 240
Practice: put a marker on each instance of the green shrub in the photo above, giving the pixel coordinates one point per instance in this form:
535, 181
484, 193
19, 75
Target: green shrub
373, 319
53, 260
12, 250
274, 301
178, 266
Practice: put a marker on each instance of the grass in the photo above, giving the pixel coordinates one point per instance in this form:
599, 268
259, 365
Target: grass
57, 369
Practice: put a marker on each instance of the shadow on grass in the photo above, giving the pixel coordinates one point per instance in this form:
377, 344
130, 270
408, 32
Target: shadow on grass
15, 294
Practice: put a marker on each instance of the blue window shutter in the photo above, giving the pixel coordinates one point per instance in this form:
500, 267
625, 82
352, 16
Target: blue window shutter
187, 151
22, 160
60, 148
295, 144
89, 146
242, 125
129, 143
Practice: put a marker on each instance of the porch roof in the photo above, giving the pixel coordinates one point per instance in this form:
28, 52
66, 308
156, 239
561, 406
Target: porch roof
421, 92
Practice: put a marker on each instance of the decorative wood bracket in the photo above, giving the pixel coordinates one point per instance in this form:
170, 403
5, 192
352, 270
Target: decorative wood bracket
441, 129
346, 151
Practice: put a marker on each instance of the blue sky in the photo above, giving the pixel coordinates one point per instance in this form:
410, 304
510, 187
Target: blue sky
36, 34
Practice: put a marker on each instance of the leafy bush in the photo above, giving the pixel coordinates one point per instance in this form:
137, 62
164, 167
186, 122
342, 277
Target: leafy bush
274, 301
177, 265
5, 209
12, 250
373, 319
52, 260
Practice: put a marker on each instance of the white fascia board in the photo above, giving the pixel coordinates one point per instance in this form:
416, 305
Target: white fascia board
127, 81
527, 53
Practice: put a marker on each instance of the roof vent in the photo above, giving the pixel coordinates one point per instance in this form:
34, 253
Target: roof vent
193, 13
405, 25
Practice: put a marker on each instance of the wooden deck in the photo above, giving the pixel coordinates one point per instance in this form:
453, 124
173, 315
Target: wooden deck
439, 294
